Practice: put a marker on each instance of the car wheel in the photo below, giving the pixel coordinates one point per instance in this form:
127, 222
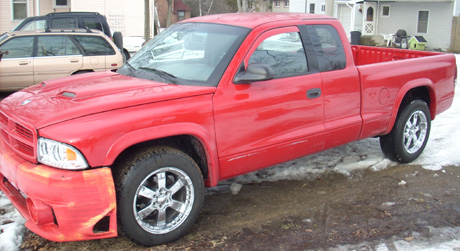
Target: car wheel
410, 133
160, 193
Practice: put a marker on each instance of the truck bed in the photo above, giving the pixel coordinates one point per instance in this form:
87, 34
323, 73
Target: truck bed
363, 55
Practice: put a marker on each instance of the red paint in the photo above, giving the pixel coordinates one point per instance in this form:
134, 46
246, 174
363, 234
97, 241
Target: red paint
241, 127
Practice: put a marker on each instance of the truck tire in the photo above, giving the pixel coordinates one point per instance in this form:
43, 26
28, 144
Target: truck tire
160, 192
118, 39
409, 136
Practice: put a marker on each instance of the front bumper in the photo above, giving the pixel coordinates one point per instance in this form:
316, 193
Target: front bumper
60, 205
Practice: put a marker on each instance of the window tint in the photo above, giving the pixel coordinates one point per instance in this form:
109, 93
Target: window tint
56, 46
92, 23
328, 47
34, 25
20, 47
64, 23
94, 46
284, 53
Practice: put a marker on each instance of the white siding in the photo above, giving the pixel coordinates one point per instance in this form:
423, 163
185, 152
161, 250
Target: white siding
344, 16
404, 16
457, 8
122, 15
298, 6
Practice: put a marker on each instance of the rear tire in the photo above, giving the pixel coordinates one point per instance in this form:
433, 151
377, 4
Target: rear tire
118, 39
409, 136
160, 192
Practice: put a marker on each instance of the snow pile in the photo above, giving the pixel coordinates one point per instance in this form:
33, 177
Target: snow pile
11, 225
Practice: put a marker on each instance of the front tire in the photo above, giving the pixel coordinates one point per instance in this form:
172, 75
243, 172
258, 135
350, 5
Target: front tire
410, 133
160, 193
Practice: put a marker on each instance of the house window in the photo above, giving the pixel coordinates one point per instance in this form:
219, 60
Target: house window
19, 9
181, 15
286, 3
61, 3
277, 3
323, 7
422, 23
312, 8
370, 14
385, 11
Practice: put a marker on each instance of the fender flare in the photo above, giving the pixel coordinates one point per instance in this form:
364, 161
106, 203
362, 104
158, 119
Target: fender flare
152, 133
421, 82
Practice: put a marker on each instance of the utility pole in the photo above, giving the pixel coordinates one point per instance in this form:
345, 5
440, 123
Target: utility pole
329, 11
147, 20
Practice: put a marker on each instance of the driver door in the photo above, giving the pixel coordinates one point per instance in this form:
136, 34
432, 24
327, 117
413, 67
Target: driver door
264, 123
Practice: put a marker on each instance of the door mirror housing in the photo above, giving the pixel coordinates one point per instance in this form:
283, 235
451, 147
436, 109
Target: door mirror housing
254, 72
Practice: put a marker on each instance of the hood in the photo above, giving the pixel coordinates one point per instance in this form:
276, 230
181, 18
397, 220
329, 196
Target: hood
66, 98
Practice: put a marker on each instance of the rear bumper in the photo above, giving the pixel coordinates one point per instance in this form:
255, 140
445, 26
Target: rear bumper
60, 205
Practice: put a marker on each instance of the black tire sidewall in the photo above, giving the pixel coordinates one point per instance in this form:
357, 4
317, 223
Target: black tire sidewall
118, 39
398, 133
143, 167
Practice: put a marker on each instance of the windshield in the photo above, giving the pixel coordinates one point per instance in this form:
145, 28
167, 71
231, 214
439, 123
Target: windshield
187, 54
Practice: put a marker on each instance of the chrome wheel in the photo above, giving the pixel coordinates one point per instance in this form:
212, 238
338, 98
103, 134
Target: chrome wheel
163, 200
415, 132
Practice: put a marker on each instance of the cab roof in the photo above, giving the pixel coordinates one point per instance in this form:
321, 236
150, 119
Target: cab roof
254, 19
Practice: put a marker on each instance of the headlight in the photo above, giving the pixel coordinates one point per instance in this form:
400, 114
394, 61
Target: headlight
60, 155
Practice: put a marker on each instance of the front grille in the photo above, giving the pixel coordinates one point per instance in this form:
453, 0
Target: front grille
24, 131
19, 136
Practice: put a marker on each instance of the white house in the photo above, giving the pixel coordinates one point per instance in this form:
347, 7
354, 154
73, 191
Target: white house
431, 19
307, 6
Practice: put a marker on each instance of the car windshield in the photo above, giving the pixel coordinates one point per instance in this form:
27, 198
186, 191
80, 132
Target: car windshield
187, 54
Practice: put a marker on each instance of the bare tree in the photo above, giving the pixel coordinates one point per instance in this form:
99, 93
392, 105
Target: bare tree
170, 13
147, 20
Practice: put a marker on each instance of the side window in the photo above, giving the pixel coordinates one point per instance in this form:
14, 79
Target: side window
20, 47
64, 23
92, 23
328, 47
284, 53
94, 46
34, 25
55, 46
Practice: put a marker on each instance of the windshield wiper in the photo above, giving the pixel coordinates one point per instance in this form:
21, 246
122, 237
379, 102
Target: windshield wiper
162, 74
131, 69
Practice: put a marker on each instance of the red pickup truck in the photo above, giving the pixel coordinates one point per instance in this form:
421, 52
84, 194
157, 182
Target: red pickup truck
206, 100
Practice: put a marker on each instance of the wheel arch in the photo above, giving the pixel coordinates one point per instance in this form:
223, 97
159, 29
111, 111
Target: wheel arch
422, 89
194, 142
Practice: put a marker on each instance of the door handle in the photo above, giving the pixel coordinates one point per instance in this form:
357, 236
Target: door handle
74, 60
23, 62
314, 93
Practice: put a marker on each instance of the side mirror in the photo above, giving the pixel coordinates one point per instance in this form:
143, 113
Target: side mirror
3, 53
254, 72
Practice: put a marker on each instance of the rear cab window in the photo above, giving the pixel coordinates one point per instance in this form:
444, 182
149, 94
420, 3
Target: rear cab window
327, 46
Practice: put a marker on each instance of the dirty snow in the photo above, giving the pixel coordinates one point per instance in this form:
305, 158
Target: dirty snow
442, 150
